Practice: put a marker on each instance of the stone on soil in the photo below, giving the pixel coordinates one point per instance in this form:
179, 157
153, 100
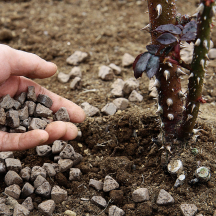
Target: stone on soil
89, 109
36, 171
4, 155
27, 190
20, 210
25, 173
75, 174
12, 118
37, 123
65, 164
116, 69
109, 109
70, 213
110, 184
44, 190
28, 204
42, 111
118, 83
21, 98
135, 96
75, 72
43, 150
127, 60
188, 209
5, 210
44, 100
2, 167
58, 194
68, 152
62, 115
58, 146
140, 195
13, 191
12, 177
164, 198
212, 53
63, 77
99, 201
75, 83
49, 169
47, 207
105, 73
77, 158
19, 129
39, 181
76, 58
121, 103
13, 164
115, 211
98, 185
130, 85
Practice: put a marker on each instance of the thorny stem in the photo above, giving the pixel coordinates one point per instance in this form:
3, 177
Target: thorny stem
198, 65
168, 100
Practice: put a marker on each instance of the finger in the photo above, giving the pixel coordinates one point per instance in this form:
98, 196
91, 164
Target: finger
22, 141
75, 112
20, 63
61, 131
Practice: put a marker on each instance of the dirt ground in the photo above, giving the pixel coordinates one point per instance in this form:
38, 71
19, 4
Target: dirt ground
106, 29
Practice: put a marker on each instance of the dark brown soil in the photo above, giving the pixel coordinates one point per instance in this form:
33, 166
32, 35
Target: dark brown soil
107, 29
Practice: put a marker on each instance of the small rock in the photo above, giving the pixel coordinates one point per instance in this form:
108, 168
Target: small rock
42, 111
39, 181
49, 169
37, 123
23, 113
47, 207
13, 191
89, 109
63, 78
56, 166
13, 164
43, 150
37, 170
105, 73
140, 195
6, 34
75, 72
58, 146
75, 174
11, 202
98, 185
175, 167
28, 204
117, 92
25, 173
153, 93
27, 190
118, 83
109, 109
77, 158
58, 195
116, 69
4, 155
188, 209
75, 83
31, 107
135, 97
76, 58
2, 167
19, 129
70, 213
110, 184
20, 210
12, 177
2, 116
12, 119
6, 102
44, 190
212, 53
5, 210
130, 85
31, 96
62, 115
164, 198
115, 211
21, 98
121, 103
65, 164
68, 152
45, 100
127, 60
99, 201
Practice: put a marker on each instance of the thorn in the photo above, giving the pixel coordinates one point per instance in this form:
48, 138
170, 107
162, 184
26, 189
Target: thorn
205, 44
200, 8
191, 75
193, 108
212, 12
170, 117
169, 102
170, 64
202, 63
156, 83
207, 57
169, 149
181, 94
179, 72
147, 28
166, 74
189, 116
159, 110
198, 41
167, 1
198, 80
162, 125
159, 10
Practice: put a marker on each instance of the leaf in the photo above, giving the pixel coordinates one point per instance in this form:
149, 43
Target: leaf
153, 48
190, 27
190, 36
169, 28
166, 39
152, 66
140, 63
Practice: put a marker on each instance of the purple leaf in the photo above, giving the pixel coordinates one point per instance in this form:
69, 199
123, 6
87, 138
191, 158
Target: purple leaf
153, 48
188, 36
152, 66
169, 28
140, 63
166, 39
190, 27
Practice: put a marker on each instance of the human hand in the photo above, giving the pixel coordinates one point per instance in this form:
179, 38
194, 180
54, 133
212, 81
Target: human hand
14, 65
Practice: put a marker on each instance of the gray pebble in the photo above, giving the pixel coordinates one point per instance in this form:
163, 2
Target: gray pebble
130, 85
2, 116
105, 73
63, 77
28, 204
23, 113
31, 94
121, 103
42, 111
45, 100
76, 58
43, 150
37, 123
12, 177
27, 190
20, 129
5, 210
20, 210
65, 164
37, 170
13, 164
21, 98
58, 146
62, 115
31, 107
115, 211
25, 173
135, 96
47, 207
89, 109
44, 190
188, 209
75, 72
75, 174
75, 83
110, 184
68, 152
12, 118
39, 181
13, 191
98, 185
2, 167
4, 155
99, 201
109, 109
140, 195
127, 60
164, 198
49, 169
58, 194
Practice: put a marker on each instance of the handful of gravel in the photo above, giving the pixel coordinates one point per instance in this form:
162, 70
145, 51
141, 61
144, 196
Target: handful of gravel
28, 112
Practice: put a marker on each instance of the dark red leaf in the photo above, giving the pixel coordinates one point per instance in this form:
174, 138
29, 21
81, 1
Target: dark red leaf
169, 28
152, 66
153, 48
190, 27
140, 63
166, 39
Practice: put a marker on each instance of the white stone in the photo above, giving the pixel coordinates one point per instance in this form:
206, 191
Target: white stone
105, 73
43, 150
117, 92
89, 109
44, 190
49, 169
5, 209
109, 109
47, 207
75, 83
27, 190
70, 213
130, 85
13, 191
98, 185
140, 195
76, 58
117, 83
75, 72
58, 146
127, 60
28, 204
212, 53
13, 164
37, 170
4, 155
39, 181
153, 93
75, 174
135, 96
63, 77
116, 69
65, 164
115, 211
99, 200
2, 167
188, 209
20, 210
12, 177
25, 173
121, 103
110, 184
68, 152
164, 198
58, 194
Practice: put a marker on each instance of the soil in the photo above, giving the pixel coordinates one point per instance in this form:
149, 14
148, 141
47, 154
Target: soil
120, 145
